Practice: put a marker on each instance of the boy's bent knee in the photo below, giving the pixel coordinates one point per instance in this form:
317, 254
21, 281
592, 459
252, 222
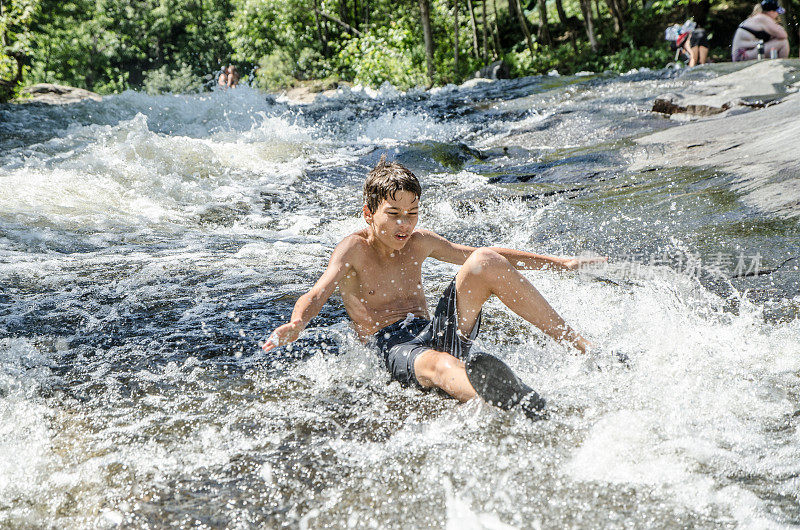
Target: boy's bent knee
432, 367
483, 258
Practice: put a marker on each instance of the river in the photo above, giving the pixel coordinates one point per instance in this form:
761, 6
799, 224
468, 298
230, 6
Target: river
149, 243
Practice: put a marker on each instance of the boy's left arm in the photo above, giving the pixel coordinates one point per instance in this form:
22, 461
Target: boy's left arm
444, 250
527, 260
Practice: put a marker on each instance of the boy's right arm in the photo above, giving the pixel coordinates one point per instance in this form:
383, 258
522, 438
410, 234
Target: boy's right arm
310, 304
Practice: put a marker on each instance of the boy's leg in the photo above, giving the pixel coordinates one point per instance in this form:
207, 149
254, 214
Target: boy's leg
498, 384
487, 273
441, 370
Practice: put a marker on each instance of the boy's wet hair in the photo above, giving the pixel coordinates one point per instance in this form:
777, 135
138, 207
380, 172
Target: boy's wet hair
385, 180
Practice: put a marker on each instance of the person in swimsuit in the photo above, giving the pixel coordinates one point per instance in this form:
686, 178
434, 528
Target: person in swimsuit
696, 47
228, 77
378, 271
761, 25
233, 76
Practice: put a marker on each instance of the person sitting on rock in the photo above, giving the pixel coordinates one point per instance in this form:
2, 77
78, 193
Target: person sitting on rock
228, 77
233, 76
761, 26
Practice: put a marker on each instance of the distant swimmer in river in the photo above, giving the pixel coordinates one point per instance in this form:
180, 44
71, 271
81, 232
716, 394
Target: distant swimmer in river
378, 271
229, 77
762, 25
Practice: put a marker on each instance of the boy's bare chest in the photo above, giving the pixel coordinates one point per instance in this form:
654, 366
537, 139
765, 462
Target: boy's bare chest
400, 277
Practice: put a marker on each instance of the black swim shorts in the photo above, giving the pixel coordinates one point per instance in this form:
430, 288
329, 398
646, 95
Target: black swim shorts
402, 342
698, 38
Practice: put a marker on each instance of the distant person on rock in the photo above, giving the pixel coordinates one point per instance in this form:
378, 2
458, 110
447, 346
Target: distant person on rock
233, 76
689, 40
229, 77
761, 26
696, 45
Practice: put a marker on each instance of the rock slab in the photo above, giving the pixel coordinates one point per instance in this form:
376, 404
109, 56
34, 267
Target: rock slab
760, 147
53, 94
755, 85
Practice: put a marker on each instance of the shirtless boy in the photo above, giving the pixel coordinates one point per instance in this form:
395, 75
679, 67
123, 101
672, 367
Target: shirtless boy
378, 271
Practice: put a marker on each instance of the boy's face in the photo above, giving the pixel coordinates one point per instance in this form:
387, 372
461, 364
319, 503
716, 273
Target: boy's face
395, 219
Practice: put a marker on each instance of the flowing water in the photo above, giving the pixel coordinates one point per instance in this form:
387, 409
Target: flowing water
148, 243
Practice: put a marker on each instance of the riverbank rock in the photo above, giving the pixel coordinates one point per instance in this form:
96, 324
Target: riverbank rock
53, 94
759, 146
308, 91
755, 85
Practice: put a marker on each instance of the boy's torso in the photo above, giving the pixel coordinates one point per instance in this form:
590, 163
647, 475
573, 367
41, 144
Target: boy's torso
381, 290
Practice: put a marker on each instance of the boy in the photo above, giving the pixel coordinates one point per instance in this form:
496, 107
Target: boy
379, 274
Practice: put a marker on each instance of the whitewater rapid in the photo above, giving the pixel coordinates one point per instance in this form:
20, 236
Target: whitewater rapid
149, 243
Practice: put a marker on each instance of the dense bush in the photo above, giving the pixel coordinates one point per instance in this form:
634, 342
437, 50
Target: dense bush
179, 80
382, 55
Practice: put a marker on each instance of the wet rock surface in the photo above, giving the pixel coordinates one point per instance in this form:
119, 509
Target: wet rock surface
756, 85
758, 146
58, 94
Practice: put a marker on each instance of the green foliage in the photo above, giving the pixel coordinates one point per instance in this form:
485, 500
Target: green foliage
630, 58
109, 45
181, 80
384, 54
173, 45
566, 60
275, 71
16, 42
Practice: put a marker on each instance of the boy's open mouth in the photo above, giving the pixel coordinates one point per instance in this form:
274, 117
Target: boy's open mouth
401, 237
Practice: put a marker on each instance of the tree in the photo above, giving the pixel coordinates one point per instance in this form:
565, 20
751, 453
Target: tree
544, 30
455, 38
425, 12
524, 26
586, 11
16, 43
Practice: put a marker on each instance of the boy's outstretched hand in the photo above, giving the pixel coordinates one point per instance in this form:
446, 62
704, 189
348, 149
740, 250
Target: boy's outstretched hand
283, 335
582, 261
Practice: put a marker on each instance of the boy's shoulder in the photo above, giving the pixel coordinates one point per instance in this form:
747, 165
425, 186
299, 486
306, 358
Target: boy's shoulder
356, 246
359, 239
354, 241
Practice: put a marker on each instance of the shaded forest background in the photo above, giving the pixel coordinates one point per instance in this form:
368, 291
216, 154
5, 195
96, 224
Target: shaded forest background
178, 45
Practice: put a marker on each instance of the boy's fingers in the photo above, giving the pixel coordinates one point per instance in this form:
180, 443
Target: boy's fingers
272, 342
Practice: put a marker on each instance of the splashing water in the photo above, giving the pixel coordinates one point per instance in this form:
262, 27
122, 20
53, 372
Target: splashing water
148, 243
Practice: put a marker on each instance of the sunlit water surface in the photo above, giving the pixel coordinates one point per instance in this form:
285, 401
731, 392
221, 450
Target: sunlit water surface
147, 244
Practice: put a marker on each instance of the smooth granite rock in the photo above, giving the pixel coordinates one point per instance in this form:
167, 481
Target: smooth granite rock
57, 94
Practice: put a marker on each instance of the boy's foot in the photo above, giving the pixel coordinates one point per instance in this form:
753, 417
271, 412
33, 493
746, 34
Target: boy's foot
497, 384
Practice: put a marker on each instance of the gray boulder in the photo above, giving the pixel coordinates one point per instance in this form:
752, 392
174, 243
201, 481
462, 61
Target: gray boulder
53, 94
